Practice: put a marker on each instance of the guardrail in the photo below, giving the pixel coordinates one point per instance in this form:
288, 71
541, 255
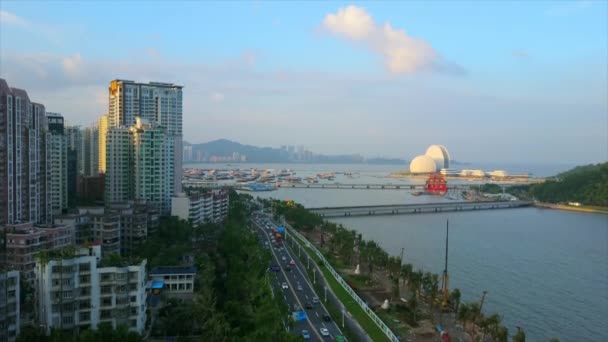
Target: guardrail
372, 315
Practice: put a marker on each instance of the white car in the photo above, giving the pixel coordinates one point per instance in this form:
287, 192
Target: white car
324, 332
284, 286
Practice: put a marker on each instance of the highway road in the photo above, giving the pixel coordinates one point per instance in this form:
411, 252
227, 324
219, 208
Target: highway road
300, 291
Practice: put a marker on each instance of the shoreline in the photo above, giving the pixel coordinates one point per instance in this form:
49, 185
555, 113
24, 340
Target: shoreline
581, 209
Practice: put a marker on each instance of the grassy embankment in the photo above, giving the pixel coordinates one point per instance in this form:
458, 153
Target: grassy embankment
351, 306
582, 208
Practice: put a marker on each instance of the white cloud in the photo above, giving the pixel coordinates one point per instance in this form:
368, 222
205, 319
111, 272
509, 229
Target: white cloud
217, 97
8, 18
402, 53
353, 22
265, 107
72, 65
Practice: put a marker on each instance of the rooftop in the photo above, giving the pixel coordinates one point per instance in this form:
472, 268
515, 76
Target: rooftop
173, 270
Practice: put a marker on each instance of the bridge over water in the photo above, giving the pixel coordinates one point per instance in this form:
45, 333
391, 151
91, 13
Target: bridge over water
412, 187
404, 209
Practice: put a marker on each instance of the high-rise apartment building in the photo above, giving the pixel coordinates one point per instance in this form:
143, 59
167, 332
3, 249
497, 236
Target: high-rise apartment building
24, 171
79, 293
75, 141
58, 159
156, 103
10, 305
118, 165
102, 131
91, 151
151, 181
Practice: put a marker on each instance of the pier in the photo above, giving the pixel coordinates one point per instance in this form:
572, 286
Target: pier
408, 209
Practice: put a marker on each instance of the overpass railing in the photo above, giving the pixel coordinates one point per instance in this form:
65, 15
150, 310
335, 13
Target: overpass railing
371, 314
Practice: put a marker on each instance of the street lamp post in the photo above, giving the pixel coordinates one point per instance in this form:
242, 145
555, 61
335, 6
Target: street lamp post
326, 294
314, 276
483, 298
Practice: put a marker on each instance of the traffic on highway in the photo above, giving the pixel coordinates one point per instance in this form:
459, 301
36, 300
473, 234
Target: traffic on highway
290, 281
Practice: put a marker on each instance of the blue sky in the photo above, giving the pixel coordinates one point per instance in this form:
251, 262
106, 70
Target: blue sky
522, 81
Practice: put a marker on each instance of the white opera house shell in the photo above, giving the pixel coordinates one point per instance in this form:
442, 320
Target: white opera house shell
435, 159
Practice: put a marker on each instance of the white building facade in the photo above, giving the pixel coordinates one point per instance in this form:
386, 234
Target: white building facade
201, 208
75, 294
177, 280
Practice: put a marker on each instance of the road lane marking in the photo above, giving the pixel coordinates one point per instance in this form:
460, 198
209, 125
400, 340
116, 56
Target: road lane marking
312, 327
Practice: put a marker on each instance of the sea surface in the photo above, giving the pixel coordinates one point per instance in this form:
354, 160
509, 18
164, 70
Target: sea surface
545, 270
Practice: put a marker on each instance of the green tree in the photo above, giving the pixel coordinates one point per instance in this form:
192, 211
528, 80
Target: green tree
520, 336
455, 299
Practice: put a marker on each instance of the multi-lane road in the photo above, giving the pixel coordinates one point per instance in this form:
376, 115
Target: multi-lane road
290, 282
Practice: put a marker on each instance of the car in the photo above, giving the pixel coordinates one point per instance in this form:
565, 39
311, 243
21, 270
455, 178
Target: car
284, 286
339, 338
299, 287
275, 268
326, 318
305, 334
308, 305
292, 262
324, 332
284, 258
315, 300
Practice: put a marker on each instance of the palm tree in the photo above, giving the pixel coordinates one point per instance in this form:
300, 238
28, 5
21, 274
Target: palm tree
475, 311
464, 314
413, 303
406, 272
455, 299
520, 336
502, 334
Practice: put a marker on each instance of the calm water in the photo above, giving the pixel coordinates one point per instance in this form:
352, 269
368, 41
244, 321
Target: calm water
544, 270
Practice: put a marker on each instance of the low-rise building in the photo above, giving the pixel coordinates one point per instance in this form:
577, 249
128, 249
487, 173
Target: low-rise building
472, 173
25, 240
498, 174
9, 305
118, 227
177, 279
77, 293
211, 206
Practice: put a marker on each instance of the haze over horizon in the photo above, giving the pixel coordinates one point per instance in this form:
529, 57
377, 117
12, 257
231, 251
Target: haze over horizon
516, 82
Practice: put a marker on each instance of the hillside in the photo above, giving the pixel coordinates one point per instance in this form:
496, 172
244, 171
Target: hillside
587, 185
253, 154
224, 147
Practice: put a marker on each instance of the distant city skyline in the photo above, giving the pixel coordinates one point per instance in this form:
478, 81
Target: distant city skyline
493, 81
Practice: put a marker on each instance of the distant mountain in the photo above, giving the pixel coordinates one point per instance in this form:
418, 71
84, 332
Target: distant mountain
224, 150
224, 147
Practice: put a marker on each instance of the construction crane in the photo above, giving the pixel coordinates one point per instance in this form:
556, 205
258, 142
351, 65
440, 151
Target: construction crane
446, 278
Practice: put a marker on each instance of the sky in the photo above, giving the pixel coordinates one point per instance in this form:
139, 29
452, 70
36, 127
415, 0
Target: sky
494, 81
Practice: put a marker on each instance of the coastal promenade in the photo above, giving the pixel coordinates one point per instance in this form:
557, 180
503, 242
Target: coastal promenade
405, 209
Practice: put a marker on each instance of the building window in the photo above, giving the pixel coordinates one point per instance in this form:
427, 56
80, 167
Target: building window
85, 316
